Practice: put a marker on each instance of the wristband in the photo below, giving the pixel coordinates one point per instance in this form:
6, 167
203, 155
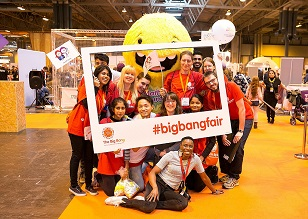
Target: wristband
239, 134
240, 131
214, 192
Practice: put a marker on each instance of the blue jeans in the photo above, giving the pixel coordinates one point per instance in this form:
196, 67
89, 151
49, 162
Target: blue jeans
135, 174
234, 169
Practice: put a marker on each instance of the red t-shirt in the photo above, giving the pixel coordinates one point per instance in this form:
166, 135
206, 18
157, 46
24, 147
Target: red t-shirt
108, 164
212, 101
189, 86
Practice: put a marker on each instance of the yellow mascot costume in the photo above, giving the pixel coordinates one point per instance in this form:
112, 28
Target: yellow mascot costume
150, 29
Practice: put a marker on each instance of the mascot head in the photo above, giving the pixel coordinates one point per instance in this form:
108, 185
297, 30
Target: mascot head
156, 28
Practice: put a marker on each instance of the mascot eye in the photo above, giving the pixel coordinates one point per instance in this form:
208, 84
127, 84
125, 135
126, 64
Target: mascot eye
139, 41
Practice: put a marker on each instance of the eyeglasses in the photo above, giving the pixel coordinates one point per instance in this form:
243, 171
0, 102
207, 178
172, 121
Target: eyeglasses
210, 81
197, 59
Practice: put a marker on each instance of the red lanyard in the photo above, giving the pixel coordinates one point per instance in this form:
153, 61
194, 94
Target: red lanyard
100, 100
184, 173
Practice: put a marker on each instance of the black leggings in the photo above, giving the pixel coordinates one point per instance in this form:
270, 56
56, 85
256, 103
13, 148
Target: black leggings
81, 148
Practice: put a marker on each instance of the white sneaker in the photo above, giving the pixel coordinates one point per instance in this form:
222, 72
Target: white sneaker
114, 200
232, 182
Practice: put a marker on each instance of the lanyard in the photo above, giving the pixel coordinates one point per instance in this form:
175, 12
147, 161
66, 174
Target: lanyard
184, 88
184, 173
101, 100
127, 96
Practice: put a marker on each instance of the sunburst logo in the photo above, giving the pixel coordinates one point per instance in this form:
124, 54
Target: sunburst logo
108, 132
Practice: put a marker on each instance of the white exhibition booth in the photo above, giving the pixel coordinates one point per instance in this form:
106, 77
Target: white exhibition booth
29, 60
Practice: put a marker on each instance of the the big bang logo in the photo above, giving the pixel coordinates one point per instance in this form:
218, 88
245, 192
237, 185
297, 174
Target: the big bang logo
108, 132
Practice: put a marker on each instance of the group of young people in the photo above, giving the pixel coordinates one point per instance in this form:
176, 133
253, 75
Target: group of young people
176, 165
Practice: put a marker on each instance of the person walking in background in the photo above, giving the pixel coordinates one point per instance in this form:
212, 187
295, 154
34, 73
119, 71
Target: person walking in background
242, 80
271, 96
241, 118
3, 73
254, 94
197, 61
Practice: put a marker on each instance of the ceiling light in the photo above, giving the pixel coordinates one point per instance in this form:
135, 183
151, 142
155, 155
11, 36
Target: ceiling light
21, 8
130, 20
228, 13
7, 31
45, 19
299, 25
242, 0
124, 10
175, 14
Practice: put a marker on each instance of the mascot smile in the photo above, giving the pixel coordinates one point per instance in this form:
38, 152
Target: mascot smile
151, 29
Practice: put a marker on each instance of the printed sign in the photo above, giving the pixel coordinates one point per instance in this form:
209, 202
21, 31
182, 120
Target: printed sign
63, 54
3, 41
152, 131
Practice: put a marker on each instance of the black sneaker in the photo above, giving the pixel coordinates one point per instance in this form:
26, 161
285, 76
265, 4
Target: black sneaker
91, 190
77, 191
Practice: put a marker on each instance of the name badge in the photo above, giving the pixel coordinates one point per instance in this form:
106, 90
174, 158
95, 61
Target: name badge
185, 101
119, 154
271, 89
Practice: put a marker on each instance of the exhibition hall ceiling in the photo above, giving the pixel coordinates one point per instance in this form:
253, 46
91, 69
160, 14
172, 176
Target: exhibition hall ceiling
249, 17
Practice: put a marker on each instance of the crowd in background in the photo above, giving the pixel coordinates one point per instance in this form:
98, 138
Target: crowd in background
7, 73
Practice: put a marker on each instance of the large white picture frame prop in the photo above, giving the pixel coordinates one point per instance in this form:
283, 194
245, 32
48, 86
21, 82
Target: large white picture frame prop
146, 132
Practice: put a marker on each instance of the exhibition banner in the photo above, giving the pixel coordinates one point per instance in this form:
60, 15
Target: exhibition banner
153, 131
63, 54
3, 41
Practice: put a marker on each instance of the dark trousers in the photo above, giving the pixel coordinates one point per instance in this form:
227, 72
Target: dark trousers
270, 99
108, 183
168, 198
234, 169
81, 148
194, 181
